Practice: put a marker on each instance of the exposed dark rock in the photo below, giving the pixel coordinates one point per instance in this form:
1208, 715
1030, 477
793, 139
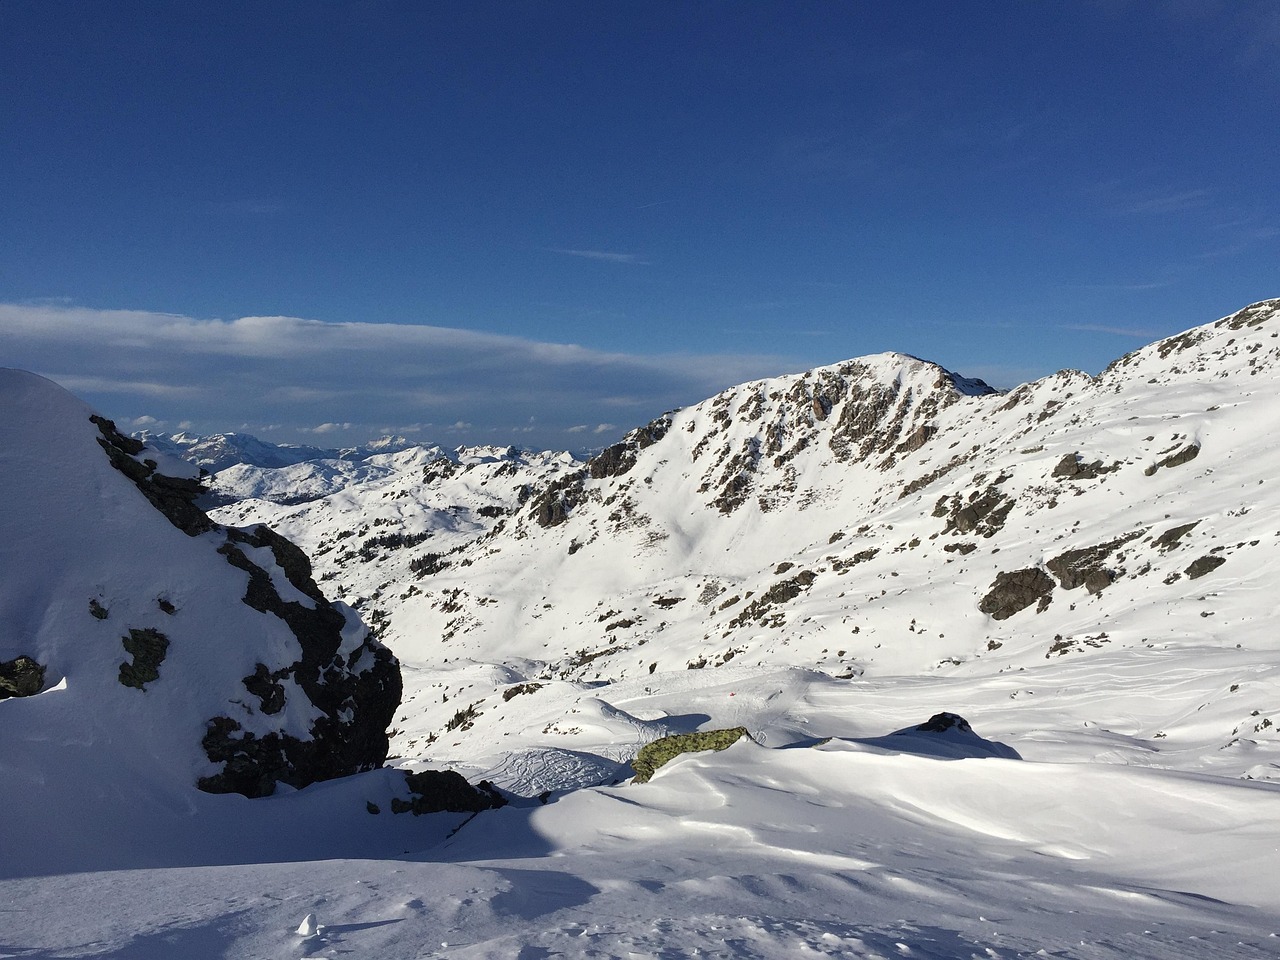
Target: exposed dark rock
252, 765
984, 512
357, 707
942, 722
439, 469
1177, 344
843, 564
174, 497
1185, 455
1206, 564
1251, 315
1172, 537
917, 438
520, 688
148, 648
1016, 590
552, 507
919, 483
97, 610
265, 685
21, 677
1072, 467
617, 460
1063, 645
654, 755
1085, 567
446, 791
781, 592
735, 480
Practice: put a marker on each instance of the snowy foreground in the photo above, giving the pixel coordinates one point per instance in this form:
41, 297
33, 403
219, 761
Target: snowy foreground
919, 845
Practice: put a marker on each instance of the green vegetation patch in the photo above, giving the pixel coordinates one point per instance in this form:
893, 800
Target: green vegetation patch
148, 647
654, 755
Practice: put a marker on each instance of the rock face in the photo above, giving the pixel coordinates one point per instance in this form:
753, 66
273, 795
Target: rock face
208, 648
1016, 590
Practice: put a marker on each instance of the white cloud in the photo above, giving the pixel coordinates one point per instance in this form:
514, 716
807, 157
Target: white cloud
1141, 333
604, 428
606, 255
331, 427
297, 373
578, 428
144, 421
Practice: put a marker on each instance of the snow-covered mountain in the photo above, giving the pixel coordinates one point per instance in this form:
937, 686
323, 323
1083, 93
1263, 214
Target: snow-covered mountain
873, 519
223, 450
1082, 568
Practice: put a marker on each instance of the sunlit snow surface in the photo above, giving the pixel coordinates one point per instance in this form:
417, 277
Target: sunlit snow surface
1130, 826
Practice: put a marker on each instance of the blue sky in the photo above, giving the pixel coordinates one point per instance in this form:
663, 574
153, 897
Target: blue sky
591, 212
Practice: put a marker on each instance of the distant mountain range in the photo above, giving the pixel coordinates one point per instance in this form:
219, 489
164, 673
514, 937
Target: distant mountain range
875, 518
222, 450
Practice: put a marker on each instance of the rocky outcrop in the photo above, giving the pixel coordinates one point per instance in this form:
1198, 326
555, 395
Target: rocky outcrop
446, 791
1073, 467
147, 647
354, 686
1087, 567
356, 690
1178, 458
942, 722
617, 460
175, 497
1204, 565
1016, 590
654, 755
21, 677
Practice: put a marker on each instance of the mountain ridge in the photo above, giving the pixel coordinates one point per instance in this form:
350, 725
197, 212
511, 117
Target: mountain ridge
866, 519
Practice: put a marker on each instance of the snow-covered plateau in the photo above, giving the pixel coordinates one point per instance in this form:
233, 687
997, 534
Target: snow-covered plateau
842, 563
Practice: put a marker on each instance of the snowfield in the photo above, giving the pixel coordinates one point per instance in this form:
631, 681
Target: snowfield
1084, 569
